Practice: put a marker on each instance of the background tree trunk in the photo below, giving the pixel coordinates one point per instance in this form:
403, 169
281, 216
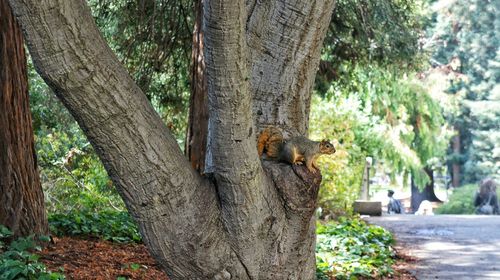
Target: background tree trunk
455, 169
22, 206
246, 219
417, 196
196, 136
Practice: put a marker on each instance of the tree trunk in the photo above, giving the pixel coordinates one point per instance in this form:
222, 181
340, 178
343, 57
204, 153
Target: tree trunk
365, 182
196, 136
246, 219
417, 196
22, 207
455, 175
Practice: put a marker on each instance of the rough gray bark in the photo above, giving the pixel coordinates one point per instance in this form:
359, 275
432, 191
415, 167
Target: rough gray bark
249, 220
284, 40
232, 156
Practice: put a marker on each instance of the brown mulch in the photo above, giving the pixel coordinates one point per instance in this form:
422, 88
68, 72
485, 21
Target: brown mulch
82, 259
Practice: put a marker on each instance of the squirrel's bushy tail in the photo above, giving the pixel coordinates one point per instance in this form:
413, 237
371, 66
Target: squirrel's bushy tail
270, 141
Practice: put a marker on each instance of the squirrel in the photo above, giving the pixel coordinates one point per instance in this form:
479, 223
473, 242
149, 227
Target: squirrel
296, 150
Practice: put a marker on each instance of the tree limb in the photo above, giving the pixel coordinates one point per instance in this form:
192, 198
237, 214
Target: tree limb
231, 151
285, 39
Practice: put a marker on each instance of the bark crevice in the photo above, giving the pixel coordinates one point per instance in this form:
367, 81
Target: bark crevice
242, 262
299, 196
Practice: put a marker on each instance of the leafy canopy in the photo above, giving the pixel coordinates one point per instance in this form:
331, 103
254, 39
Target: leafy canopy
467, 35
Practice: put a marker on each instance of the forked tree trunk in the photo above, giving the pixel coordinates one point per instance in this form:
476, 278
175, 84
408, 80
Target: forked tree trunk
21, 198
246, 219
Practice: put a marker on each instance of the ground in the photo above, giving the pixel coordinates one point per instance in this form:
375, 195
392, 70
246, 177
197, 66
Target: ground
447, 246
404, 265
82, 259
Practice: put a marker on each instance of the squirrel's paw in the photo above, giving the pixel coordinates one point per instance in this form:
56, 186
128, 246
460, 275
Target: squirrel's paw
313, 170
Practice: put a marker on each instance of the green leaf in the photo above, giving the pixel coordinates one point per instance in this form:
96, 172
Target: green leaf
135, 266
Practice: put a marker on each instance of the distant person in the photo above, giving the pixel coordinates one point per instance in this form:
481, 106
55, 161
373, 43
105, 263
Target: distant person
486, 200
394, 206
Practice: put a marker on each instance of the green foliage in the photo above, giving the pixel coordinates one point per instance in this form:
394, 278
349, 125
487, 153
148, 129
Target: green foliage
110, 225
467, 37
153, 40
413, 120
341, 171
384, 30
351, 248
80, 197
378, 112
18, 262
461, 201
366, 32
47, 111
71, 173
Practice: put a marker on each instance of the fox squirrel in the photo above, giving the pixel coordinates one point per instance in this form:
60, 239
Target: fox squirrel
295, 150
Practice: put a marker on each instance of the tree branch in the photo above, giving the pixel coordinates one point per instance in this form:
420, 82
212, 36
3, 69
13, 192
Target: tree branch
232, 137
285, 39
231, 151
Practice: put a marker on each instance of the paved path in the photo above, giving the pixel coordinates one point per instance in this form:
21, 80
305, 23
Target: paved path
448, 246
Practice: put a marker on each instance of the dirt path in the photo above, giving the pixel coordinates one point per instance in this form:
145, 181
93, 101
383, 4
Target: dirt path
448, 246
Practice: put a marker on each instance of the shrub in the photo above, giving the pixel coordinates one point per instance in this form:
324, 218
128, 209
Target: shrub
460, 202
18, 262
72, 174
116, 226
341, 171
351, 248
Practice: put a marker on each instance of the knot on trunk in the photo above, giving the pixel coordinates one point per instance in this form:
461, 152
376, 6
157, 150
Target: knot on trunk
297, 186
